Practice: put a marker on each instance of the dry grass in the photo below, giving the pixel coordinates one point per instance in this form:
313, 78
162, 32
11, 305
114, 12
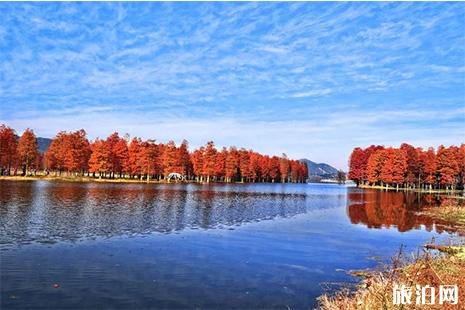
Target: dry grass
449, 213
446, 266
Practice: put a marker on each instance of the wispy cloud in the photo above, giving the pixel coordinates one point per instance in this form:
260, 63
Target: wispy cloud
312, 93
282, 71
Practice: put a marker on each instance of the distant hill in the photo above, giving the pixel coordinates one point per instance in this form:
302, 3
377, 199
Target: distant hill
322, 170
43, 143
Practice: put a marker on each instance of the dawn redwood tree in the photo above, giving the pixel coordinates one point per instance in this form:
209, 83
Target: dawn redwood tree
210, 154
461, 161
101, 159
375, 166
232, 164
197, 159
118, 148
55, 154
27, 150
368, 152
134, 155
295, 171
400, 166
412, 173
357, 164
428, 166
387, 169
255, 171
184, 159
304, 171
274, 168
448, 166
244, 165
170, 159
265, 168
220, 164
75, 152
8, 149
148, 159
120, 156
284, 168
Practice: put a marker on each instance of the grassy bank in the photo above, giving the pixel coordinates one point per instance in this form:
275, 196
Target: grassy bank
435, 266
450, 213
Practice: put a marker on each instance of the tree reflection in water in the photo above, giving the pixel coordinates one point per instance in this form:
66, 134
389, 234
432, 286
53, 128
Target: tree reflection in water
49, 212
386, 209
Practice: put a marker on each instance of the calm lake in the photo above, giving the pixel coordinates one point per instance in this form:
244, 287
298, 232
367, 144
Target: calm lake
195, 246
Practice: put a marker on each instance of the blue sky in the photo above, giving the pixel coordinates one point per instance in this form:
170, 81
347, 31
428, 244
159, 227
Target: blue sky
309, 79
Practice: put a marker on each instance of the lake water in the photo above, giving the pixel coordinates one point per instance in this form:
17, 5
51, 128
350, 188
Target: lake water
216, 246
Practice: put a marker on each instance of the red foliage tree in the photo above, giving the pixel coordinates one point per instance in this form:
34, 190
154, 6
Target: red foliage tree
461, 161
255, 167
284, 168
412, 173
232, 164
400, 166
134, 157
118, 148
101, 160
209, 160
274, 168
220, 164
8, 149
198, 163
448, 165
265, 168
148, 159
27, 150
357, 165
375, 166
429, 166
244, 165
171, 160
69, 151
184, 159
77, 152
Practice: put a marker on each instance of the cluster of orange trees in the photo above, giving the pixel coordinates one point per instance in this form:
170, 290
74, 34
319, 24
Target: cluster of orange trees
409, 166
120, 157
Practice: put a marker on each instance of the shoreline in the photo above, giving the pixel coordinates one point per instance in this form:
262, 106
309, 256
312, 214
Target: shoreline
375, 288
460, 192
85, 179
436, 265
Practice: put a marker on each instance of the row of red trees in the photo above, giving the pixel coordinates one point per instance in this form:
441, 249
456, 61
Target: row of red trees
409, 166
121, 157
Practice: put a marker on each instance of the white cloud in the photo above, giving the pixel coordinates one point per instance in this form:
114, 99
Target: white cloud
312, 93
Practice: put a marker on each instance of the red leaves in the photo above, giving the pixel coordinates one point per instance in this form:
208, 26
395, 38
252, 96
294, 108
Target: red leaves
72, 152
101, 159
69, 152
243, 165
448, 164
27, 150
8, 149
409, 166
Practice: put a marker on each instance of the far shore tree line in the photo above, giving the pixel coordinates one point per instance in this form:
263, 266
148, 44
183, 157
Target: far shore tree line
409, 167
72, 154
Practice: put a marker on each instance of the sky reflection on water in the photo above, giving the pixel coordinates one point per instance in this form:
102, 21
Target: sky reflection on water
178, 246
